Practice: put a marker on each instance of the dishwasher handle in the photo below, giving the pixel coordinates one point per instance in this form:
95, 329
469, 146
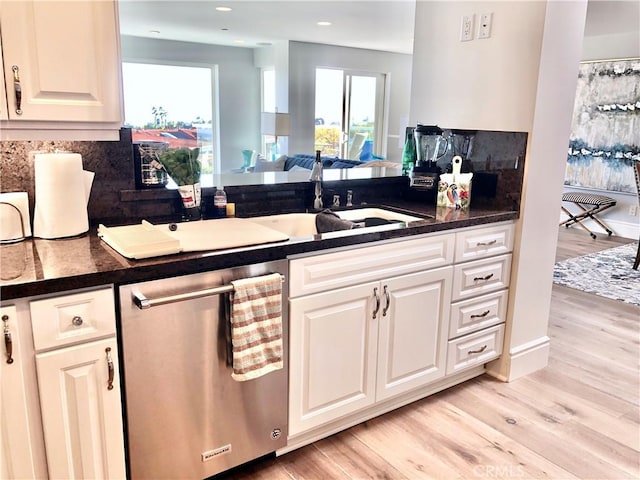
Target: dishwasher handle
142, 302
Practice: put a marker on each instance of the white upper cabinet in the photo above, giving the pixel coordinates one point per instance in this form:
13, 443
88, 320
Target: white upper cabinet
61, 64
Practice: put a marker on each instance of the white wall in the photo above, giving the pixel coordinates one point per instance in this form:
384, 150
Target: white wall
607, 47
304, 58
277, 57
523, 78
485, 84
238, 83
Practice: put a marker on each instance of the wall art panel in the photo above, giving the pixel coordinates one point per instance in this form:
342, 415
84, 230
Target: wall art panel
605, 132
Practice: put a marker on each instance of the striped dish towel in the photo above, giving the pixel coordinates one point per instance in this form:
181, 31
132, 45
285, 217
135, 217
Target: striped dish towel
256, 326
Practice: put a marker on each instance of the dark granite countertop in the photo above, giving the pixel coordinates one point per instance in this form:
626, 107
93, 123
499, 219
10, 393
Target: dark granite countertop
37, 267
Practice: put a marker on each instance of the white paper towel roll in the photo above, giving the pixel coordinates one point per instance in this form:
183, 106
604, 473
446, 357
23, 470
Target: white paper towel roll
61, 199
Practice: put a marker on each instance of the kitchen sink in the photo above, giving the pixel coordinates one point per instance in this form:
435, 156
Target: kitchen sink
146, 240
359, 214
304, 224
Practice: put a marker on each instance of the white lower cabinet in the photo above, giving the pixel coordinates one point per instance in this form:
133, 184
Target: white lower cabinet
78, 380
413, 331
61, 407
480, 295
21, 448
82, 411
378, 327
475, 349
355, 346
332, 356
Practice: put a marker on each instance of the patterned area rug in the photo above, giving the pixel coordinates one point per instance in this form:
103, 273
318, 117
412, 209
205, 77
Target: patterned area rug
607, 273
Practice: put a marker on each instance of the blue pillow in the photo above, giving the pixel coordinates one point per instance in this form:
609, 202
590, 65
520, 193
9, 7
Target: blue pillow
343, 163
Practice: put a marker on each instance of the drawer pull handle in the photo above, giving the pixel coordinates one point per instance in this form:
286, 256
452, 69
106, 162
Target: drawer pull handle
377, 297
481, 315
17, 89
77, 320
486, 244
8, 342
480, 350
110, 368
387, 304
484, 279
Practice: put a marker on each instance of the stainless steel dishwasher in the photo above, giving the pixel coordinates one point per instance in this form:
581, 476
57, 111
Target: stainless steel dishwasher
186, 417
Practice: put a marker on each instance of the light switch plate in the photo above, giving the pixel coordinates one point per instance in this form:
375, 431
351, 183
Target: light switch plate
484, 26
466, 28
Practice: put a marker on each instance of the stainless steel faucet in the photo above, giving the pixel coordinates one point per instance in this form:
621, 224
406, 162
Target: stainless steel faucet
316, 178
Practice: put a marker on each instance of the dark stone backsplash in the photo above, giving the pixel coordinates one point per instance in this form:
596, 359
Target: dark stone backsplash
114, 199
112, 163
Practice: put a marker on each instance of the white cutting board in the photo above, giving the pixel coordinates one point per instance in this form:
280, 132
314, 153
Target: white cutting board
139, 241
147, 240
221, 234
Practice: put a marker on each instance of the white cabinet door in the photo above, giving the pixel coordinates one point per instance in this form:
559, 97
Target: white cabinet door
81, 416
413, 331
332, 356
66, 55
18, 446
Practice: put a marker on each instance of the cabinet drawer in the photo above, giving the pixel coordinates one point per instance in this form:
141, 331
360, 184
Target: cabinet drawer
351, 267
477, 313
484, 242
474, 349
482, 276
73, 318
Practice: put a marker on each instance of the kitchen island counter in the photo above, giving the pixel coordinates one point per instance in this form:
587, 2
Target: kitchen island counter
40, 267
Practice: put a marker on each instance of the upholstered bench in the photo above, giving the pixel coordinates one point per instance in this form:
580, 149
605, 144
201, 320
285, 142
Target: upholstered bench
590, 205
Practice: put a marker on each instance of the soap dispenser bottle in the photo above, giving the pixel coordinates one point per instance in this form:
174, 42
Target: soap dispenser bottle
316, 178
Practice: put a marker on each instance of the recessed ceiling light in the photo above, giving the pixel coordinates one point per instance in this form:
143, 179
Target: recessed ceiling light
238, 41
154, 32
324, 24
224, 9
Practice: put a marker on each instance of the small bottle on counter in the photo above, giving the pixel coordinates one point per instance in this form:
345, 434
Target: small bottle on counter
220, 203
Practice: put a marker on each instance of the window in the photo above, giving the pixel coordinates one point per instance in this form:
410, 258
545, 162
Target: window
349, 113
172, 104
268, 105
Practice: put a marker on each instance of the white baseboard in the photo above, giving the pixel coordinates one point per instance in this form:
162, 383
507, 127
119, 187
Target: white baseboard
521, 360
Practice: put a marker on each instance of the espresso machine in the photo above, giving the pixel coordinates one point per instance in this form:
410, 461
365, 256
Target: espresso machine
431, 145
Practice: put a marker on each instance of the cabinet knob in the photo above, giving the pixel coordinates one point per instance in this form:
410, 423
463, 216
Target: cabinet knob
77, 320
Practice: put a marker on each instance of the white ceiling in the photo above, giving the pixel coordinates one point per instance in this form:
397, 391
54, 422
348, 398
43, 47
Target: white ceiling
374, 24
377, 24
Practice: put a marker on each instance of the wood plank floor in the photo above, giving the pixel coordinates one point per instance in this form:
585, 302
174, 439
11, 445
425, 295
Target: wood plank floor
577, 418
